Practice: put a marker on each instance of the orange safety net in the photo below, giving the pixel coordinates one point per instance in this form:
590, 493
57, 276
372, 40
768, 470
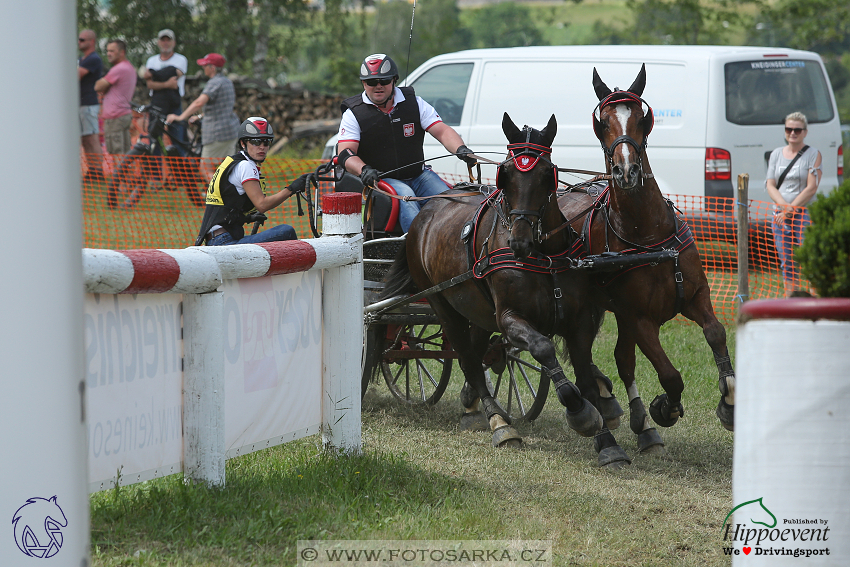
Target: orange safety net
157, 202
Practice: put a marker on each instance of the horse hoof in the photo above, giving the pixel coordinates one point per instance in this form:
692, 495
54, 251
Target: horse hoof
611, 411
613, 458
507, 437
586, 421
474, 421
650, 443
726, 415
663, 414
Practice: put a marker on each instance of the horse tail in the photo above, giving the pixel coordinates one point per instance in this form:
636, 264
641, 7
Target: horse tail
398, 280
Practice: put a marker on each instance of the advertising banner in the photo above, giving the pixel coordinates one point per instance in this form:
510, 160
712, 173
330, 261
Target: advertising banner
133, 374
273, 361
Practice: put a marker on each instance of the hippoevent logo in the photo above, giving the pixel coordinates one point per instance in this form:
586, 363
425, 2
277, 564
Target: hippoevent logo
38, 527
774, 538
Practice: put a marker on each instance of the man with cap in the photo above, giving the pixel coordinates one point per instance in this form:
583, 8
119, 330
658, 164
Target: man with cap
220, 125
237, 196
166, 78
383, 129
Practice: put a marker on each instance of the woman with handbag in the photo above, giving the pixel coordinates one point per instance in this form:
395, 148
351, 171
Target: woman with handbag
793, 174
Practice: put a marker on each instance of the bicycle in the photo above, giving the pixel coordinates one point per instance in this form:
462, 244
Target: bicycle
130, 178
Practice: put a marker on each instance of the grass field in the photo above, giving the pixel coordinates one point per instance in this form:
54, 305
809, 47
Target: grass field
420, 478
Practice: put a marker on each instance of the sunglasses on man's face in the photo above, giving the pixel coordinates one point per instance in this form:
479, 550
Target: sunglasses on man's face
376, 82
81, 39
795, 130
260, 141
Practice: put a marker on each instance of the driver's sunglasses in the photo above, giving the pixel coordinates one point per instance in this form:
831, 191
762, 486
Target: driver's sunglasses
260, 141
795, 130
376, 82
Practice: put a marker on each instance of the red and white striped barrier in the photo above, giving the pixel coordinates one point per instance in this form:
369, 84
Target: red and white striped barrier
199, 274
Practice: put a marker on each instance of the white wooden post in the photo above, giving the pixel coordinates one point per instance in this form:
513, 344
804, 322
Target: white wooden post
42, 412
342, 342
203, 388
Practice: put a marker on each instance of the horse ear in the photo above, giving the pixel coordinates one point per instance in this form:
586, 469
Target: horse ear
548, 133
509, 128
601, 88
640, 82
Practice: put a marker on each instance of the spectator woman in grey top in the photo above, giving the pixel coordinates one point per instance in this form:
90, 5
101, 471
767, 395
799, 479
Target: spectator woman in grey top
797, 189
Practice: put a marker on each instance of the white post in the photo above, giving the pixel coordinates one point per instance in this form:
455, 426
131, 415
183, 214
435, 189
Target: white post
203, 388
342, 333
44, 475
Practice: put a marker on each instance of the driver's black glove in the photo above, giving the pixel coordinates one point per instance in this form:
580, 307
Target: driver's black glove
256, 217
299, 184
465, 154
369, 176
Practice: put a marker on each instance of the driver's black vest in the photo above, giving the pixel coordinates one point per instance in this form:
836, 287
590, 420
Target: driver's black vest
224, 205
390, 141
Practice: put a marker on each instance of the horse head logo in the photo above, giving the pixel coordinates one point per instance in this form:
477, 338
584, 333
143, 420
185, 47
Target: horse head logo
38, 527
761, 506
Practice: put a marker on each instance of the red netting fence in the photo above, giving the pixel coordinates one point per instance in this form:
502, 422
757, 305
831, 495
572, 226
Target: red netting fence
158, 203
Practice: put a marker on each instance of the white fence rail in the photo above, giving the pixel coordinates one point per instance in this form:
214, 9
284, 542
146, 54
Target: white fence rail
198, 355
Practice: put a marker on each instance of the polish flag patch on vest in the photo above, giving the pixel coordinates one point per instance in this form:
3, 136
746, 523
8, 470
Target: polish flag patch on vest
408, 130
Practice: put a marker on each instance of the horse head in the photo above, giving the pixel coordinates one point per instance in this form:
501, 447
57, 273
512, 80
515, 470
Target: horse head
528, 179
623, 127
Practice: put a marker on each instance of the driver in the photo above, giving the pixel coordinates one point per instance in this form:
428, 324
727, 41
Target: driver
383, 129
237, 192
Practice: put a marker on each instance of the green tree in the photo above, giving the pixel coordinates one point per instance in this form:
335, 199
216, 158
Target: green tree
688, 22
502, 25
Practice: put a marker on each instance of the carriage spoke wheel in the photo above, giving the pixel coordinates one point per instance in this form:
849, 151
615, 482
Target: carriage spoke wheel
417, 363
517, 382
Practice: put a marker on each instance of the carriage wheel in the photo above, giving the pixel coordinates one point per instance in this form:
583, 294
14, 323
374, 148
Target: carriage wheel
417, 362
513, 386
373, 348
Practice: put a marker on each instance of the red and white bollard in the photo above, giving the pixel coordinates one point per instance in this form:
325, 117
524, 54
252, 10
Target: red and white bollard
342, 313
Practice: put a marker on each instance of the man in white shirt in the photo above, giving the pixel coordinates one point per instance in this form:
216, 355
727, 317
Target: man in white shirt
167, 93
383, 129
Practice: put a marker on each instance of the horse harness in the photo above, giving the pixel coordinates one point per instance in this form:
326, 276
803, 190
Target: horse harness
681, 239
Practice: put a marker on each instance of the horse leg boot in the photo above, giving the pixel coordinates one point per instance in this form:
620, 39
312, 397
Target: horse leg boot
726, 406
609, 407
582, 417
649, 440
473, 418
667, 408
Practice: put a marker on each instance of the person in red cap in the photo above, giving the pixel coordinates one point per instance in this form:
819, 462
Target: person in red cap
220, 123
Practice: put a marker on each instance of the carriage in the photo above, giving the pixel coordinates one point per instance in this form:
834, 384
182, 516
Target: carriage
545, 263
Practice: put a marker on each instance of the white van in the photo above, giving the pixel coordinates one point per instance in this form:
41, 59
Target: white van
719, 111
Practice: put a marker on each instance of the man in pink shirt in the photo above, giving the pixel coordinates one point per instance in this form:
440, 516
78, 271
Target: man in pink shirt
117, 87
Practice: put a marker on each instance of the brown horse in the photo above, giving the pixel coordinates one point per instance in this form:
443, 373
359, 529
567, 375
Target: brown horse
632, 216
529, 300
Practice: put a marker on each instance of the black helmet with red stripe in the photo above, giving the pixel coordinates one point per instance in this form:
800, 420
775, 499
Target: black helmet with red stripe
378, 66
256, 127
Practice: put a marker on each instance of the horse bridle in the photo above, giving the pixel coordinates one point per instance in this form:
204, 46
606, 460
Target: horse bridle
526, 159
648, 118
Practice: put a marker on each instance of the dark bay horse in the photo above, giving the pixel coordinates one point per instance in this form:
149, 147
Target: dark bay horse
632, 216
529, 301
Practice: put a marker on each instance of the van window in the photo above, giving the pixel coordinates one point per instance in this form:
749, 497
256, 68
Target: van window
444, 87
765, 92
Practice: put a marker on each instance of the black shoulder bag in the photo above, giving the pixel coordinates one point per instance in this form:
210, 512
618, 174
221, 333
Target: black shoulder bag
790, 165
